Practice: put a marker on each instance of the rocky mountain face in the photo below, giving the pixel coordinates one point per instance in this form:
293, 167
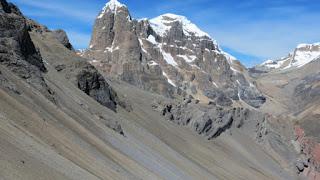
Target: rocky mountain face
115, 50
81, 73
168, 55
17, 51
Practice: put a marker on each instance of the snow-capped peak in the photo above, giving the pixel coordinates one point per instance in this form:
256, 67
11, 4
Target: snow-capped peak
269, 61
308, 46
161, 25
272, 64
302, 55
112, 5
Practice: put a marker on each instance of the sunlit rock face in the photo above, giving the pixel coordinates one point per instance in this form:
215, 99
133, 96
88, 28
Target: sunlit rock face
168, 55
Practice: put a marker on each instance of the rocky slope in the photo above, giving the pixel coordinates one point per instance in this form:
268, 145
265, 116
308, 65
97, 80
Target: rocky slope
60, 118
20, 56
292, 89
168, 55
18, 53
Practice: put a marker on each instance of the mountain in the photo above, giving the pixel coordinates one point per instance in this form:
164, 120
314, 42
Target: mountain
150, 99
302, 55
292, 88
168, 55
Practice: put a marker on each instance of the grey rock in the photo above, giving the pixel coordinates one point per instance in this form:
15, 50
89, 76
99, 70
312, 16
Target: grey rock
18, 52
300, 166
209, 121
60, 67
6, 7
5, 83
34, 26
251, 96
94, 85
62, 37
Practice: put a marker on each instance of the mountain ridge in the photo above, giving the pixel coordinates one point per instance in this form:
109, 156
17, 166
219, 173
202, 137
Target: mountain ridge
139, 105
299, 57
182, 57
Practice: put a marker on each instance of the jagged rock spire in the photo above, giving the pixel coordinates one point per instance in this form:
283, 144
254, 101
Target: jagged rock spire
166, 54
112, 6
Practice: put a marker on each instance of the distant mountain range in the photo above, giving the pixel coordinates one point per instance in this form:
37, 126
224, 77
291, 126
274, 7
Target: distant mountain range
302, 55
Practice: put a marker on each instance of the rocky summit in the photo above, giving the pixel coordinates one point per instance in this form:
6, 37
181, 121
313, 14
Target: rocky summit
151, 99
168, 55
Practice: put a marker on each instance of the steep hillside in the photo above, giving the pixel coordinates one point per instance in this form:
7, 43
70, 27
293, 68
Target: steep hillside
293, 90
143, 113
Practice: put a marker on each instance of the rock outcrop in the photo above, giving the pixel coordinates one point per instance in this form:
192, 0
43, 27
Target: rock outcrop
17, 51
80, 72
93, 84
116, 51
168, 55
62, 37
210, 120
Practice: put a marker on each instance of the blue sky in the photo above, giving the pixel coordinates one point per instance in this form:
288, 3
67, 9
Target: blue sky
251, 30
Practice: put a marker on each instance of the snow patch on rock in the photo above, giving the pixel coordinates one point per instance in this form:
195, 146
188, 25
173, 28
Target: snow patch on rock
152, 39
305, 54
187, 58
112, 5
169, 80
161, 25
168, 58
152, 63
271, 64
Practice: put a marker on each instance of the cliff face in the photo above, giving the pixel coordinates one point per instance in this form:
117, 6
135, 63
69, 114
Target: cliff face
168, 55
115, 49
17, 51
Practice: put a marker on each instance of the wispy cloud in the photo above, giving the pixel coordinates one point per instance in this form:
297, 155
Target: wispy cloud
252, 29
260, 30
75, 17
59, 8
267, 38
